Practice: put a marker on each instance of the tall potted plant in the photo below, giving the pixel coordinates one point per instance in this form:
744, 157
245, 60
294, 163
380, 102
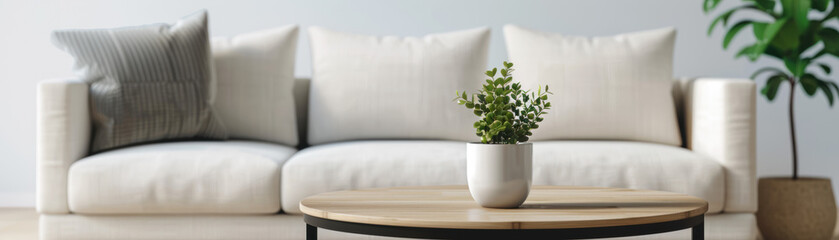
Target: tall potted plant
499, 167
795, 32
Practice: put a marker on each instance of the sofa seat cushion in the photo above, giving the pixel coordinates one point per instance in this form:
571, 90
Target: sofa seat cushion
180, 177
371, 164
634, 165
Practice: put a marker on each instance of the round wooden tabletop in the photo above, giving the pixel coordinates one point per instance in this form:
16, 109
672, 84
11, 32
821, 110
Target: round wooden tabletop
547, 207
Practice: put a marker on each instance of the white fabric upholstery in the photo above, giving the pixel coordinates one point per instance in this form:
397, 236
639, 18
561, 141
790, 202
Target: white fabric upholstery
368, 164
366, 87
255, 76
180, 177
283, 226
605, 88
62, 135
720, 123
730, 226
635, 165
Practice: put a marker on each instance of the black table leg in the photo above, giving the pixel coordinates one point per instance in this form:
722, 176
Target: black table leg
311, 232
698, 231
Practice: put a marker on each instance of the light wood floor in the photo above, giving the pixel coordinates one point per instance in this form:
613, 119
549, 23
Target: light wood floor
18, 223
22, 224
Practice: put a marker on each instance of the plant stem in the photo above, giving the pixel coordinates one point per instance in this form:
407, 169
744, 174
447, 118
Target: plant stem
792, 129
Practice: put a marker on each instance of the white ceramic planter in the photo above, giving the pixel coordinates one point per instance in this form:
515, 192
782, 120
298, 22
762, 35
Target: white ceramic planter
499, 175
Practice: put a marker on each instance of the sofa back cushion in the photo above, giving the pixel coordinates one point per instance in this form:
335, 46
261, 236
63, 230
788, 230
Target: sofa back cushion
367, 87
614, 88
255, 79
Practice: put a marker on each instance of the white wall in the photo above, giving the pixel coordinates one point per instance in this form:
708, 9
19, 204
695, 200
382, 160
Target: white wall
26, 55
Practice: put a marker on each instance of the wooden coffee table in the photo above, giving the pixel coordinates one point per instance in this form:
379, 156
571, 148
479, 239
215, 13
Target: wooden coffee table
555, 212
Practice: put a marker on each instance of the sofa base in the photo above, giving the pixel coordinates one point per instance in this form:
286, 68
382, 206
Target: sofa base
284, 226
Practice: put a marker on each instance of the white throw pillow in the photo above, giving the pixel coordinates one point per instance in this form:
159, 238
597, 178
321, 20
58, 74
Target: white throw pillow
368, 87
255, 76
616, 87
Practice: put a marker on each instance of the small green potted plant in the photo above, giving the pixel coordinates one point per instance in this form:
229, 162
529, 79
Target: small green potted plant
797, 33
499, 167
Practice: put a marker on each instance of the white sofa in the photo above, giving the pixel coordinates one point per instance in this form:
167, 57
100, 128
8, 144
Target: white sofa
242, 189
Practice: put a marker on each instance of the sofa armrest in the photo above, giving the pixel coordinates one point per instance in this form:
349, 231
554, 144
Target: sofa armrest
62, 137
720, 123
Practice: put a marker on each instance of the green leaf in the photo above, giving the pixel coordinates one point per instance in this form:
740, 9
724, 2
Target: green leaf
809, 37
721, 18
751, 51
825, 67
835, 88
796, 66
766, 5
733, 32
809, 83
820, 5
770, 90
768, 69
835, 12
709, 5
787, 37
830, 38
798, 10
765, 32
825, 87
491, 73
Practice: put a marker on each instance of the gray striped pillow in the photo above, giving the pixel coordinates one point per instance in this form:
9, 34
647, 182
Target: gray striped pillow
147, 83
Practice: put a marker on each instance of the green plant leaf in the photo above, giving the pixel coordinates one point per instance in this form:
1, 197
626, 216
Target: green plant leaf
765, 32
733, 32
796, 66
765, 5
834, 12
786, 38
722, 18
770, 90
491, 73
709, 5
798, 10
751, 51
769, 69
825, 68
830, 38
825, 87
835, 87
820, 5
809, 37
773, 52
809, 83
